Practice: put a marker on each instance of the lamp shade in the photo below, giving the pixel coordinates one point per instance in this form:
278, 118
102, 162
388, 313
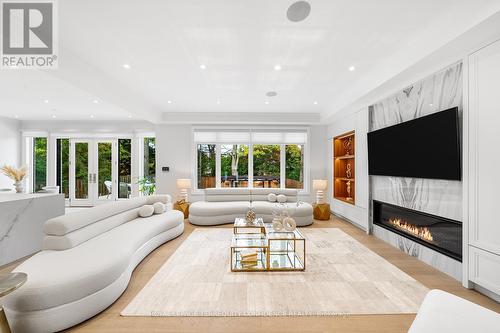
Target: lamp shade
183, 183
320, 184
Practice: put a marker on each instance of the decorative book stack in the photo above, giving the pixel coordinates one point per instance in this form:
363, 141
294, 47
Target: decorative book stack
249, 258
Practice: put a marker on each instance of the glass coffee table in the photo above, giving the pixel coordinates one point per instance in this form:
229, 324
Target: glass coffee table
257, 247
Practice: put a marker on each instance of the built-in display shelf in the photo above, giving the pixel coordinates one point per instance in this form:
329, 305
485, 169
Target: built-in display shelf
343, 167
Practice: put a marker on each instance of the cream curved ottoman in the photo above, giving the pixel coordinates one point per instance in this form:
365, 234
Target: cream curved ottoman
442, 312
87, 262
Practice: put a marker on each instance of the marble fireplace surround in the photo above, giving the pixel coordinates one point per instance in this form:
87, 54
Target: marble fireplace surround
438, 92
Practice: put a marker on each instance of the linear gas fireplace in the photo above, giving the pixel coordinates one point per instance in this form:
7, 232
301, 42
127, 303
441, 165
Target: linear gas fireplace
438, 233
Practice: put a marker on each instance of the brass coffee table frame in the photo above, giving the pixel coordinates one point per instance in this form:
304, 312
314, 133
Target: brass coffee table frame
276, 250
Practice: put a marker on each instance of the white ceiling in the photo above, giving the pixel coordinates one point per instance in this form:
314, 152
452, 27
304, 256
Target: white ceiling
239, 41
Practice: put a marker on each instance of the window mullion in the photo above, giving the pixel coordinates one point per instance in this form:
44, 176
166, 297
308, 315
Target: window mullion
250, 165
282, 166
217, 165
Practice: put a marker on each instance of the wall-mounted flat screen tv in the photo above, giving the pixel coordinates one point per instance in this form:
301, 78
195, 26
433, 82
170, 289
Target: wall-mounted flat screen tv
426, 147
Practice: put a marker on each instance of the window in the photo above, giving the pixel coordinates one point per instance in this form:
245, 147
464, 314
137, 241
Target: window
81, 170
150, 159
62, 165
104, 169
147, 176
124, 168
251, 158
206, 165
266, 166
39, 163
234, 165
294, 166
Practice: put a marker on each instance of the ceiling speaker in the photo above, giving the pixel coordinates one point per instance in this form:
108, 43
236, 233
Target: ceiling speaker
298, 11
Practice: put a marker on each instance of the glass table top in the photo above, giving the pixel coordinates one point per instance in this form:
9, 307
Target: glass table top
240, 222
11, 281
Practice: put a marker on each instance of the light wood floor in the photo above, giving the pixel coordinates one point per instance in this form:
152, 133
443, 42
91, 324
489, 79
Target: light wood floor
111, 321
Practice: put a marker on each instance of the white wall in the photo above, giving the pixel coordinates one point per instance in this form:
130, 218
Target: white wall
174, 149
10, 147
319, 149
357, 213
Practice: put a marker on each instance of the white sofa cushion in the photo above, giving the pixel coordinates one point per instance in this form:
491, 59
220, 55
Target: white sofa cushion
74, 238
281, 198
266, 208
146, 211
204, 208
64, 224
60, 277
260, 194
443, 312
159, 207
271, 197
227, 194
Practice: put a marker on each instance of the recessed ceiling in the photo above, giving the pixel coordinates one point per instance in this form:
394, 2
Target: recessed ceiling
143, 58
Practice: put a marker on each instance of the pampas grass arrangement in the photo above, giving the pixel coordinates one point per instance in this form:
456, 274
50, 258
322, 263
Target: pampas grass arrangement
17, 175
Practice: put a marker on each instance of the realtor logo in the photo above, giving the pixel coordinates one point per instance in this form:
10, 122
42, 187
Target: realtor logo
28, 34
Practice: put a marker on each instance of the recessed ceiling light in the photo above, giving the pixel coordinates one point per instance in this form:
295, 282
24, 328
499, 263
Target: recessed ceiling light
298, 11
46, 101
53, 116
126, 66
271, 93
202, 66
277, 67
129, 116
16, 116
95, 101
218, 102
266, 102
315, 102
169, 102
431, 104
91, 116
352, 68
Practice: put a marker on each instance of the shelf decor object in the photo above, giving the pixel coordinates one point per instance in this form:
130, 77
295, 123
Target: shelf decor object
344, 175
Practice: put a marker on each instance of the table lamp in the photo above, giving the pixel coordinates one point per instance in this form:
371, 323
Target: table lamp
184, 184
320, 185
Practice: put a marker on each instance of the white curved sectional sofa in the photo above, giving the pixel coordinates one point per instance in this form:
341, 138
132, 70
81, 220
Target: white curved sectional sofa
86, 263
222, 206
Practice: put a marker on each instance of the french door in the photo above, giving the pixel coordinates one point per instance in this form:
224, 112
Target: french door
93, 174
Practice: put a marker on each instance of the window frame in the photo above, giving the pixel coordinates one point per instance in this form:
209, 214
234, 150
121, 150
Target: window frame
306, 161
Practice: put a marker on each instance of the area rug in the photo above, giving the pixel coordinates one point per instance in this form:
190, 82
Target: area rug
342, 277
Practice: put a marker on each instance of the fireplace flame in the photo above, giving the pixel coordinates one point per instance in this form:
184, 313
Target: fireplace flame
421, 232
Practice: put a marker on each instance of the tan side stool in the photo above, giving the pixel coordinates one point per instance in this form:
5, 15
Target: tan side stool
321, 211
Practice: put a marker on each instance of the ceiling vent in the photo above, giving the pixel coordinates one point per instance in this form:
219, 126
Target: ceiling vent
298, 11
271, 93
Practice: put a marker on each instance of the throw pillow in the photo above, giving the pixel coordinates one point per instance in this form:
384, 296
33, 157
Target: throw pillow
271, 197
146, 211
281, 198
159, 207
